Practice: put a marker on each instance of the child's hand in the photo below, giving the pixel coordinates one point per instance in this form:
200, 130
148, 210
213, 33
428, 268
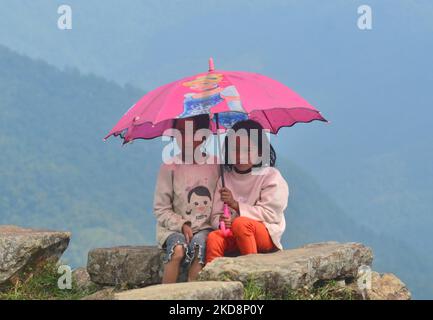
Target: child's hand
227, 197
227, 220
187, 232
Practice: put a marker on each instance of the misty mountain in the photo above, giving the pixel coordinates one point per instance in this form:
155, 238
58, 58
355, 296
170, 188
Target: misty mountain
56, 172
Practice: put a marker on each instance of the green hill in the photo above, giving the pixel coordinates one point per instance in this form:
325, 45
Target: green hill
56, 172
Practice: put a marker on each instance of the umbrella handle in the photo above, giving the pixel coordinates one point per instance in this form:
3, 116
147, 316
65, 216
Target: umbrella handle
226, 232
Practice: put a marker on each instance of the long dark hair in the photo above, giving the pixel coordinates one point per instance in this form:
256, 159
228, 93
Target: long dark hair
263, 143
201, 121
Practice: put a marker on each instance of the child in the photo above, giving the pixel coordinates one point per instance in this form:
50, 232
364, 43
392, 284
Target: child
183, 204
256, 194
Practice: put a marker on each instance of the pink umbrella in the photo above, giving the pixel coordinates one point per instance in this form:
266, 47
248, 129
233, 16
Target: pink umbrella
236, 95
229, 95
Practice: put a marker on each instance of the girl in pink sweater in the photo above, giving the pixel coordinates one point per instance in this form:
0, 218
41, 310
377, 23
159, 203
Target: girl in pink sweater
254, 190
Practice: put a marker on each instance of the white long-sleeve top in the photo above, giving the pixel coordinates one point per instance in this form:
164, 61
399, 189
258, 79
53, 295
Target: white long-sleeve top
262, 195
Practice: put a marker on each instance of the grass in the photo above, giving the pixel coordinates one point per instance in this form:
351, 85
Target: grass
252, 291
42, 285
329, 290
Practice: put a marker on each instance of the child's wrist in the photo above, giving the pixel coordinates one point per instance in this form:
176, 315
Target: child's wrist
187, 223
234, 205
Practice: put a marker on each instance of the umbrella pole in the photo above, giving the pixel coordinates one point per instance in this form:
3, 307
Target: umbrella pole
225, 232
220, 150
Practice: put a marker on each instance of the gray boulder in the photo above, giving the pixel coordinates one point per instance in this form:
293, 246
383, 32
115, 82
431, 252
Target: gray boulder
135, 266
22, 248
292, 269
81, 279
387, 286
381, 286
208, 290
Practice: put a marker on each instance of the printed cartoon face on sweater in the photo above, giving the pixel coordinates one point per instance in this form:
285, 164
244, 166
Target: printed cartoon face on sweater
199, 203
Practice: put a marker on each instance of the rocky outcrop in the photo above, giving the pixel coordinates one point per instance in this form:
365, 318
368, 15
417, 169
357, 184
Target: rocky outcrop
303, 267
126, 266
81, 279
22, 248
115, 269
387, 287
384, 286
208, 290
292, 269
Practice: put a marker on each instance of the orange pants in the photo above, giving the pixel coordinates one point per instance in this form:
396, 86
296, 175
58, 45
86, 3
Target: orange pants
249, 236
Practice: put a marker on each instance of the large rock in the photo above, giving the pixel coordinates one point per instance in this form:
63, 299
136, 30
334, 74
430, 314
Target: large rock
207, 290
386, 286
292, 269
21, 248
126, 266
81, 279
103, 294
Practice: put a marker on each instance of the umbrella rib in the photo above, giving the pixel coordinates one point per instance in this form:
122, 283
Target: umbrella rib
269, 121
160, 110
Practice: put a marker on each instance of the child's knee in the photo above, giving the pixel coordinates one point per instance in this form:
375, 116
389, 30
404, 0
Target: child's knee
240, 225
178, 253
214, 237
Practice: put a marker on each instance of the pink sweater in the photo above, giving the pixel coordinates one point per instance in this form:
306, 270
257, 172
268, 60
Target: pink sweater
262, 196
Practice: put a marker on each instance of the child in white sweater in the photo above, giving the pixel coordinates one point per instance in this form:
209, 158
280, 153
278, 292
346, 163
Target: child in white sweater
256, 193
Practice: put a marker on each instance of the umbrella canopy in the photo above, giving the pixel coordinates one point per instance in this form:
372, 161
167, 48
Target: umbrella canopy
234, 95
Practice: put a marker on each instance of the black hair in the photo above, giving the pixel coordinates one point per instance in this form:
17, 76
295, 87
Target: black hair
263, 143
200, 191
201, 121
